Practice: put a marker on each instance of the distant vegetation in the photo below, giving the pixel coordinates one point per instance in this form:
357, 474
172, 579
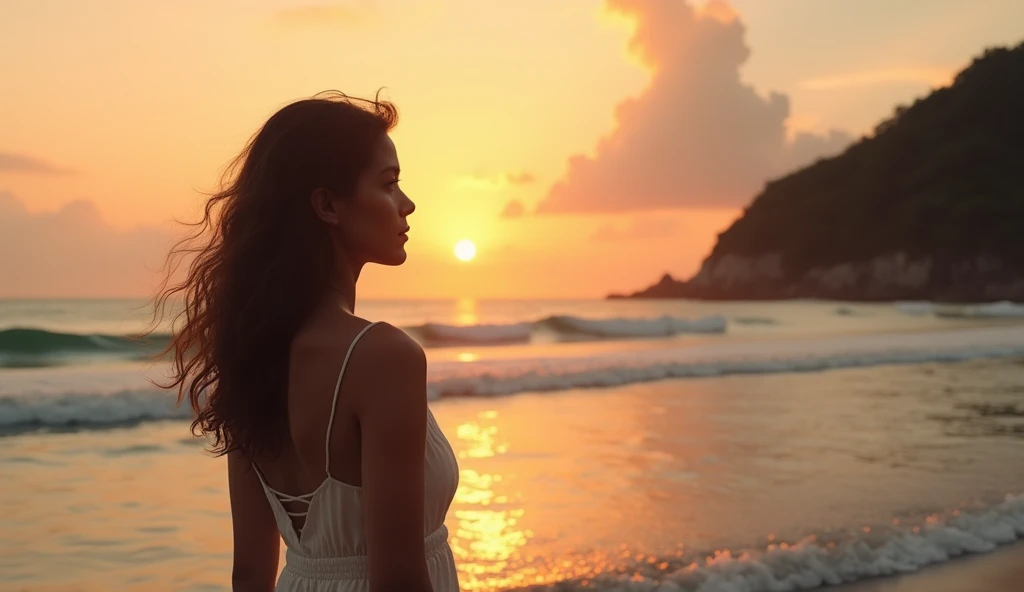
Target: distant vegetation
936, 192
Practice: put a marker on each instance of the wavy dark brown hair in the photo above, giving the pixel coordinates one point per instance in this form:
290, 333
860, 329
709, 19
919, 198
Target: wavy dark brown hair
259, 260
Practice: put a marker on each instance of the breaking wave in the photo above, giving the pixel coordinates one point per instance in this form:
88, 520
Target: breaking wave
99, 397
566, 327
814, 562
25, 348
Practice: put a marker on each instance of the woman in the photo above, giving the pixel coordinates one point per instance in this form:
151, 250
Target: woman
321, 414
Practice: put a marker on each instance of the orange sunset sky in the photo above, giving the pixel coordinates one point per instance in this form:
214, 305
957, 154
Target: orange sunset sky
583, 146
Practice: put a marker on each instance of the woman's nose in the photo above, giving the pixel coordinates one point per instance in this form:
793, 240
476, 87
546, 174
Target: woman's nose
407, 206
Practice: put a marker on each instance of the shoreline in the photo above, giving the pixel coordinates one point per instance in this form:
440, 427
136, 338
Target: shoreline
1001, 570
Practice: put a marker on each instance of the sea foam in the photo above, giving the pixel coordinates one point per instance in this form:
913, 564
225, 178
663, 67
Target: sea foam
83, 397
809, 564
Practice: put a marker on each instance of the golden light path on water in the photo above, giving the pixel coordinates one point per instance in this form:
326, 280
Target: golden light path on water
489, 536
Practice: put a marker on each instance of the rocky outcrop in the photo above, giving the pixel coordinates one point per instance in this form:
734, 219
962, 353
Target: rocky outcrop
896, 276
931, 206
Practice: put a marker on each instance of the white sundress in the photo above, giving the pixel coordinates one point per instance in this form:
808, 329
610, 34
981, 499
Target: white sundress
328, 554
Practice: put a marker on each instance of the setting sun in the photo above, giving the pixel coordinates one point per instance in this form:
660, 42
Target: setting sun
465, 250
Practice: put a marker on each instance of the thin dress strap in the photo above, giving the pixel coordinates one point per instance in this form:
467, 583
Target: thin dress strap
337, 389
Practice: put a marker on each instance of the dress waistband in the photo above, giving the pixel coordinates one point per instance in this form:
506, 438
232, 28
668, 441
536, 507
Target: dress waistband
350, 567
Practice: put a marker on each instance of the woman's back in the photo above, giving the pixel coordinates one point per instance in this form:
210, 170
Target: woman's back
314, 487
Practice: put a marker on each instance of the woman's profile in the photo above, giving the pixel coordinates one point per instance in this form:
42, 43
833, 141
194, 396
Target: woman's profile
322, 415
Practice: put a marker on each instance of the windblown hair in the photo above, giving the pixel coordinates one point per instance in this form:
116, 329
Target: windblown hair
260, 260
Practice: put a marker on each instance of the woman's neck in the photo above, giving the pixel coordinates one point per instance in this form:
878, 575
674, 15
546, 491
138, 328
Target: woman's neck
346, 298
343, 284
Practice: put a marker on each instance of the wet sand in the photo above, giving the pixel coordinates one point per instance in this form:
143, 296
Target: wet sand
999, 571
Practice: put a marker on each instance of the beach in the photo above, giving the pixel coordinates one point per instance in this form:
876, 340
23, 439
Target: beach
1000, 571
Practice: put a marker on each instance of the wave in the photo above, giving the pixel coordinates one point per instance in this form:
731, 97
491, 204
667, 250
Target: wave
566, 327
754, 321
1003, 309
814, 563
989, 310
506, 377
21, 347
25, 347
34, 347
84, 397
664, 326
87, 410
439, 334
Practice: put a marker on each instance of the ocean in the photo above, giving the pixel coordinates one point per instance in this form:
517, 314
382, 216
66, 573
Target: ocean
605, 445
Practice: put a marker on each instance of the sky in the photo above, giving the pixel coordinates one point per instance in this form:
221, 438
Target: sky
584, 146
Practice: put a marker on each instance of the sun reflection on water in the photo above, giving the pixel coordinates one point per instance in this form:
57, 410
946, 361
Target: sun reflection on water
467, 357
487, 536
466, 312
481, 440
489, 517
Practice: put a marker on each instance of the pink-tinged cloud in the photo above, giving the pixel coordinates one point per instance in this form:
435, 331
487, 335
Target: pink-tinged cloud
73, 252
22, 163
697, 136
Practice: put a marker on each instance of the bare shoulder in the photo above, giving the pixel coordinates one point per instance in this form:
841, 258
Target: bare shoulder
383, 354
387, 367
386, 344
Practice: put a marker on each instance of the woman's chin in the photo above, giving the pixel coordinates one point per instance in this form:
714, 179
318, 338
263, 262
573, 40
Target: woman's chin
394, 259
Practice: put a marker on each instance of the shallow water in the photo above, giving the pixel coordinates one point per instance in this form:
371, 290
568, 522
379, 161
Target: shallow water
641, 479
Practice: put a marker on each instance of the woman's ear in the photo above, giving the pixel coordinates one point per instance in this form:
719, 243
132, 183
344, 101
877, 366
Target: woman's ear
325, 206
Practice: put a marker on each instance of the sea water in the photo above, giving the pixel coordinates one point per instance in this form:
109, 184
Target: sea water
612, 445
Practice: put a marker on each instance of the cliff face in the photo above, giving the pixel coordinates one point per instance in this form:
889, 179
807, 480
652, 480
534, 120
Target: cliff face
894, 276
884, 278
931, 206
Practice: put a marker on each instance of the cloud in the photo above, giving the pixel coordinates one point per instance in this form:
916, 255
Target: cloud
697, 136
514, 209
73, 252
21, 163
930, 76
638, 229
320, 15
496, 182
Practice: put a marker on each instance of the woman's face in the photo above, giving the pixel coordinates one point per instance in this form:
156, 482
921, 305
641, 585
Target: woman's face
372, 222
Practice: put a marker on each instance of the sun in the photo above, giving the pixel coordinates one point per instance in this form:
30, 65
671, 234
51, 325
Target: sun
465, 250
